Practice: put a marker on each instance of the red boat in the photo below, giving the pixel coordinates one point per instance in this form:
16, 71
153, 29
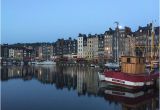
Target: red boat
132, 74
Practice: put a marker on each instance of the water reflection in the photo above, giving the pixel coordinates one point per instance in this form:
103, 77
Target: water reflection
84, 80
132, 100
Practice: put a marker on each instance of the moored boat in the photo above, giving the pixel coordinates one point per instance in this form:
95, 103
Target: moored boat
112, 65
46, 63
132, 74
94, 65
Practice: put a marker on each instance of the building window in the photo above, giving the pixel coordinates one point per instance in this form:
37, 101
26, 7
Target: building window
128, 60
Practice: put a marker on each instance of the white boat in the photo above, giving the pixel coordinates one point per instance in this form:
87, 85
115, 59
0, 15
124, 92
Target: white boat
46, 63
92, 65
112, 65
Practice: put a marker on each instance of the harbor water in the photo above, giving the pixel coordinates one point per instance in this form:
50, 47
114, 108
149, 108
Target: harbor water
54, 87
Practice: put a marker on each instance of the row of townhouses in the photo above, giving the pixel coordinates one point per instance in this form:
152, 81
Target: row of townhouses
40, 51
99, 47
115, 43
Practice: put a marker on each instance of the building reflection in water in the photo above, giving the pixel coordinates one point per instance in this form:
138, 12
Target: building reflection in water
84, 80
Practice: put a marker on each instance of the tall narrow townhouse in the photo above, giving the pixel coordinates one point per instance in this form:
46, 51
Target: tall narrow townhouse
85, 46
108, 35
101, 48
95, 47
90, 47
80, 46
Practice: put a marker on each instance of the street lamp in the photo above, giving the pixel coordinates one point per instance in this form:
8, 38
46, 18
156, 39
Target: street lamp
107, 48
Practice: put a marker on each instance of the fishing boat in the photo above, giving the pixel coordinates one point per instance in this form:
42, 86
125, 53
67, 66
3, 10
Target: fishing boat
132, 74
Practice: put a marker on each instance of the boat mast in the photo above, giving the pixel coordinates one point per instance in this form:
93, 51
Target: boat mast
152, 46
117, 42
152, 42
147, 43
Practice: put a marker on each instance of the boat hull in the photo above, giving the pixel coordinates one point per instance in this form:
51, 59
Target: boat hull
128, 86
128, 81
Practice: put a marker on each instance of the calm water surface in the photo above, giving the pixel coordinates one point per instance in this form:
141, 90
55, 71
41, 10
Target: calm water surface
67, 88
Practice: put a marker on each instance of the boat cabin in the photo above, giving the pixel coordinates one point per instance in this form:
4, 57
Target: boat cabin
132, 64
